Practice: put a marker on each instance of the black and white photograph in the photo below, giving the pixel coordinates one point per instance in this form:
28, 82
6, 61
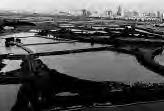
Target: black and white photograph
81, 55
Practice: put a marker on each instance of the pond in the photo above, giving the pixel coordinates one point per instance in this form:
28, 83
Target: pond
102, 66
97, 66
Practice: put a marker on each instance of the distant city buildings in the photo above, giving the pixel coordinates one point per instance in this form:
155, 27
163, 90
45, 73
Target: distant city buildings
149, 14
159, 14
119, 11
136, 15
128, 13
86, 13
109, 13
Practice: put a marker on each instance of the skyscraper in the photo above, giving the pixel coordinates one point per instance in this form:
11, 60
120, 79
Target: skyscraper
119, 11
109, 13
86, 13
158, 14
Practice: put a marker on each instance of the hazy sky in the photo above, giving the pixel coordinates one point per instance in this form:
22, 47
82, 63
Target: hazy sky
50, 5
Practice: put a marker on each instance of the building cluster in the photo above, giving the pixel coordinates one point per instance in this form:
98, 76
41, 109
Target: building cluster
121, 13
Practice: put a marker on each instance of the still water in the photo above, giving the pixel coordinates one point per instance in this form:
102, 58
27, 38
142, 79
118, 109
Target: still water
8, 96
102, 66
160, 59
98, 66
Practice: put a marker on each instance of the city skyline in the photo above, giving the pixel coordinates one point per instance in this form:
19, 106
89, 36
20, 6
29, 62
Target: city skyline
100, 5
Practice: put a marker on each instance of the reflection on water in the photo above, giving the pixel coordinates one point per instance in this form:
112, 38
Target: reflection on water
102, 66
160, 59
11, 65
98, 66
8, 93
21, 34
61, 46
47, 88
8, 96
32, 40
14, 50
95, 66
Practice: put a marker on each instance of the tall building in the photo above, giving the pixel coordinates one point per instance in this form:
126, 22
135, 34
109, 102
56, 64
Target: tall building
159, 14
86, 13
109, 13
119, 11
162, 16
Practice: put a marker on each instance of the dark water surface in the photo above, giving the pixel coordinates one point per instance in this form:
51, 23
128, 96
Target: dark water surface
98, 66
102, 66
8, 96
160, 59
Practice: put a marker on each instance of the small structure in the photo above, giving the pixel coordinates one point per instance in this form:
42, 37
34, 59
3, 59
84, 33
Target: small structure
43, 32
10, 41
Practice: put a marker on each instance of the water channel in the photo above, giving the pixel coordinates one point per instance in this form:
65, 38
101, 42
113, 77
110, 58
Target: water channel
97, 66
